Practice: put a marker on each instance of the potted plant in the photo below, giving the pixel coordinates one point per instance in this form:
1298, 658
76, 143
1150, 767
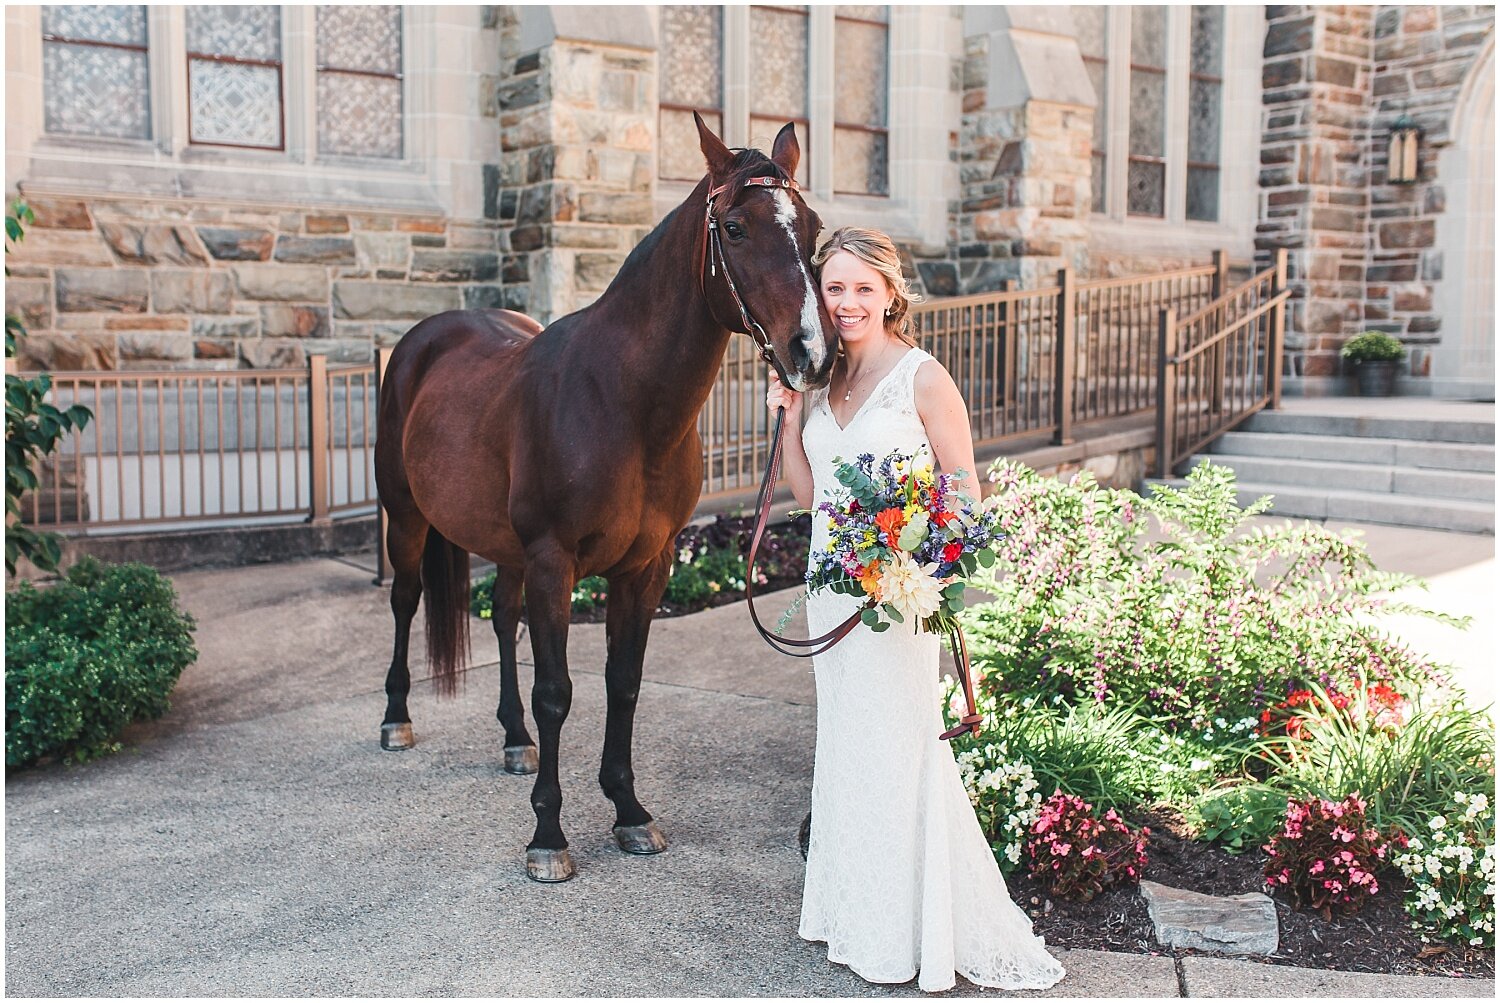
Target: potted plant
1374, 356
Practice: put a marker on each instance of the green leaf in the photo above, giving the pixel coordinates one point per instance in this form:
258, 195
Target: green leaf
870, 619
893, 613
880, 627
986, 557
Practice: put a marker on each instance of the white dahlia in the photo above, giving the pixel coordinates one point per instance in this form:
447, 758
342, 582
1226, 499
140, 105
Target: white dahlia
910, 587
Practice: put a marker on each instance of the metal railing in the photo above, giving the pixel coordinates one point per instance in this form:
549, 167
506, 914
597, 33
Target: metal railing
182, 450
1027, 361
185, 450
1219, 365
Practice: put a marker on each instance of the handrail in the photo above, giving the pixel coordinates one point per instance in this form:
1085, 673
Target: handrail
1210, 387
1224, 334
1268, 275
1192, 272
981, 299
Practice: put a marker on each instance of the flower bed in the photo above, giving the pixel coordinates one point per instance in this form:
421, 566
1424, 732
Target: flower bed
710, 569
1230, 689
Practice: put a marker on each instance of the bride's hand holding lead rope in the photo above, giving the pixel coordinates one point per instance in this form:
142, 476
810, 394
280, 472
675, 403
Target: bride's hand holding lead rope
777, 396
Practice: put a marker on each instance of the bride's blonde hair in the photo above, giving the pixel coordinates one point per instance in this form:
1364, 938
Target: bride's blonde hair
876, 250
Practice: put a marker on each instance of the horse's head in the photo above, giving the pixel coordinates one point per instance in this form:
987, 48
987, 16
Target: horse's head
757, 262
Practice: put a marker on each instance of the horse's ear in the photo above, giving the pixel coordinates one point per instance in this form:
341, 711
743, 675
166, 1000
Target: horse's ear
714, 151
785, 153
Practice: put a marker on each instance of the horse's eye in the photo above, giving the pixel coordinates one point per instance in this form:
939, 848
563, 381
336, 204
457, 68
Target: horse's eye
734, 230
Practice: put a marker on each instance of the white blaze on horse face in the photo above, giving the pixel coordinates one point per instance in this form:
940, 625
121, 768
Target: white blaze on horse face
812, 328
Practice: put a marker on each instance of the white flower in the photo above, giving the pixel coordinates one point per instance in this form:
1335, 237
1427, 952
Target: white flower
1198, 765
910, 588
1437, 822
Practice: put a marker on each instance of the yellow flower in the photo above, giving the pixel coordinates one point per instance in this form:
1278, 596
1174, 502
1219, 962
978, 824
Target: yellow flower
910, 587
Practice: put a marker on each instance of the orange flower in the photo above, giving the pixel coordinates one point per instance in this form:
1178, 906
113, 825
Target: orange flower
890, 522
869, 578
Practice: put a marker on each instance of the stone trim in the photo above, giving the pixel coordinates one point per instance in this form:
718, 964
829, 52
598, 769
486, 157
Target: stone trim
184, 284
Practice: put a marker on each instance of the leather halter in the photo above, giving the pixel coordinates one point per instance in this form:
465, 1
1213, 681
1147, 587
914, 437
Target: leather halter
716, 260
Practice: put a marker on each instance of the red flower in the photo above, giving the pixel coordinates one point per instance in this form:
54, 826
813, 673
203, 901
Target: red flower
952, 552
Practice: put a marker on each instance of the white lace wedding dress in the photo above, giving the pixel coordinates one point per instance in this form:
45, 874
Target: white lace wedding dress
900, 880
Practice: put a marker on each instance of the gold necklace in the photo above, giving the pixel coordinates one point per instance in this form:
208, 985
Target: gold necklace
849, 387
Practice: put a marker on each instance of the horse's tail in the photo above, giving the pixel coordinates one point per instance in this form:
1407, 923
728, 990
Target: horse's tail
445, 588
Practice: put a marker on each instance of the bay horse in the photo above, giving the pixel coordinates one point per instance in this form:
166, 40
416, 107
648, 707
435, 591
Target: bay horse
574, 451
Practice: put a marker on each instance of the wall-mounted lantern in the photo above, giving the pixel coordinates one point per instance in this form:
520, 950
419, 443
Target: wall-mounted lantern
1402, 160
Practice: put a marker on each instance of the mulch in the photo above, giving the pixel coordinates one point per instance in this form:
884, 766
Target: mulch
1377, 939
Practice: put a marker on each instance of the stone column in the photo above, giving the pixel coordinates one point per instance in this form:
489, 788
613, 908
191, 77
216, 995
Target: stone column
576, 99
1024, 148
1314, 176
1422, 56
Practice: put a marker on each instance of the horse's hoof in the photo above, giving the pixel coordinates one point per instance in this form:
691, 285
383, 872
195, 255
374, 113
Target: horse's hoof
520, 759
643, 839
549, 866
804, 835
397, 736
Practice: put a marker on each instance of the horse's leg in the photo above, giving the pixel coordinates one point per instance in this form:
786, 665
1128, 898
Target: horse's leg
549, 591
520, 751
405, 537
632, 601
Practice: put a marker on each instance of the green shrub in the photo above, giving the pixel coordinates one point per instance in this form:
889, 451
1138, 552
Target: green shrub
1192, 629
87, 656
710, 561
1373, 346
1003, 791
1088, 751
1450, 870
33, 429
1406, 775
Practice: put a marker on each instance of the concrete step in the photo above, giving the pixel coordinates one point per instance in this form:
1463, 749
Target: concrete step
1296, 502
1422, 429
1373, 477
1356, 449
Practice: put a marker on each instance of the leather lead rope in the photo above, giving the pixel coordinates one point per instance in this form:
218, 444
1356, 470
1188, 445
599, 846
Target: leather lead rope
810, 647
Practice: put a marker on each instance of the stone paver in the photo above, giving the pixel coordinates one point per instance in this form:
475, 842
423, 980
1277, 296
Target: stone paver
1221, 978
1234, 924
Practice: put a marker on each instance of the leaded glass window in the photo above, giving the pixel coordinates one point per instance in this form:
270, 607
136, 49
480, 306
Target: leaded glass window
861, 139
778, 85
359, 80
1205, 88
1092, 26
690, 79
95, 79
234, 75
1147, 176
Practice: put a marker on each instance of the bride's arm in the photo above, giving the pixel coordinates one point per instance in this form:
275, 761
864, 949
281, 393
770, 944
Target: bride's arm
794, 463
946, 417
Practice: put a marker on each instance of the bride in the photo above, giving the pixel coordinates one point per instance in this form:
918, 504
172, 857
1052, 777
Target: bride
900, 879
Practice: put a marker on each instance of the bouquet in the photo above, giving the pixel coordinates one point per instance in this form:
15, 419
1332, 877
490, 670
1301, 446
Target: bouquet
904, 539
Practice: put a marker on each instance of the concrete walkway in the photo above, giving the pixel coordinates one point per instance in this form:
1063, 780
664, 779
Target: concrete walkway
257, 841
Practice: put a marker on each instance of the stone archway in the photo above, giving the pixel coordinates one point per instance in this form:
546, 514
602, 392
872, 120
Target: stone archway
1463, 363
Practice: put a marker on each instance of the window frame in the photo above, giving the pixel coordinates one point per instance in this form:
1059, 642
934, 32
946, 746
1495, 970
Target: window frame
717, 111
402, 76
148, 50
922, 174
421, 182
885, 130
188, 55
1113, 230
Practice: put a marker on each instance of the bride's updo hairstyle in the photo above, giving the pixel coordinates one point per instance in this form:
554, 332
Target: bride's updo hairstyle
876, 250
